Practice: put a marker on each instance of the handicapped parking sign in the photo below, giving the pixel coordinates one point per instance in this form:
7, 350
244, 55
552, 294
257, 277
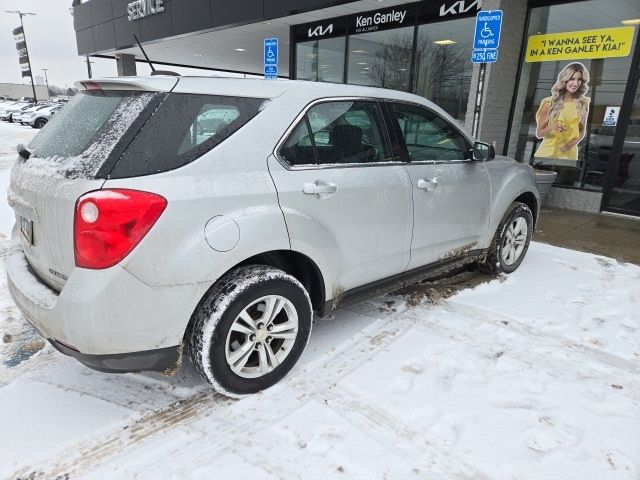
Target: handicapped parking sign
488, 25
271, 51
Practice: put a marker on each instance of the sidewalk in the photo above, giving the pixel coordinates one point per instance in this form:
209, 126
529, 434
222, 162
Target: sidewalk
602, 234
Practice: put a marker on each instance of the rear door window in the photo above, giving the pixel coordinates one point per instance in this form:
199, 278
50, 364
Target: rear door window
340, 132
184, 127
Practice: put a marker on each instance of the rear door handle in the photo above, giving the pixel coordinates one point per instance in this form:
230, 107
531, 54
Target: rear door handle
319, 188
430, 185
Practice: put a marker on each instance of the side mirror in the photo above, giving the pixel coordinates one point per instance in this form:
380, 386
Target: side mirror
483, 152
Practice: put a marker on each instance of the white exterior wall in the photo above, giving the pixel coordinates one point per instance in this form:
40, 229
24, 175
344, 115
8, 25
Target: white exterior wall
16, 90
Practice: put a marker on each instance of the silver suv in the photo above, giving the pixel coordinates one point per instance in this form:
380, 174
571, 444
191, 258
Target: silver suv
218, 214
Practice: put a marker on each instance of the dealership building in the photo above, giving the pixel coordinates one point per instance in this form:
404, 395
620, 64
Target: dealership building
519, 103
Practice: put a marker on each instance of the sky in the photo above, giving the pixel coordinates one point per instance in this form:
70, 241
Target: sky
52, 44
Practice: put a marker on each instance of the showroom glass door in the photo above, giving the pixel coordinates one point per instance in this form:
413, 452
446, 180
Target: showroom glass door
623, 193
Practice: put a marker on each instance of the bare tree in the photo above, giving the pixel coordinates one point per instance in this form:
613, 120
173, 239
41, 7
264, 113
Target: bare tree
389, 67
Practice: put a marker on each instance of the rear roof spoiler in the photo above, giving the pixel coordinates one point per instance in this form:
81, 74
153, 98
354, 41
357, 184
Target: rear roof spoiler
154, 84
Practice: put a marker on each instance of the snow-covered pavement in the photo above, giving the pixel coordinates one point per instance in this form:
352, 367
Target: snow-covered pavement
535, 375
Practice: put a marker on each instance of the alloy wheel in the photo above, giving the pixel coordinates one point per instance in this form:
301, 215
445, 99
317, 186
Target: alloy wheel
515, 240
261, 336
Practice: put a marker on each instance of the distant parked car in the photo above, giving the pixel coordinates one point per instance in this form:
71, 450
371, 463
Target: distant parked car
7, 114
157, 213
40, 117
18, 116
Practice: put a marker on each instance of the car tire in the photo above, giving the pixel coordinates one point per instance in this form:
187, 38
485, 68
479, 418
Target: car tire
235, 341
510, 242
41, 122
10, 118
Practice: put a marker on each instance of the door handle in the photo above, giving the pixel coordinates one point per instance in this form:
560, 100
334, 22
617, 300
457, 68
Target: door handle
319, 188
428, 185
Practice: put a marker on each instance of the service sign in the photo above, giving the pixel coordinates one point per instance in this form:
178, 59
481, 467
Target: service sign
144, 8
583, 44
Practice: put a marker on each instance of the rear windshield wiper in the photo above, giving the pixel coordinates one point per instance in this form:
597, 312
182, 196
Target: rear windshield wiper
23, 152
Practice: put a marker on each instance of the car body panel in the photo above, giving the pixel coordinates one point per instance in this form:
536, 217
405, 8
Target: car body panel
509, 180
364, 226
453, 216
49, 202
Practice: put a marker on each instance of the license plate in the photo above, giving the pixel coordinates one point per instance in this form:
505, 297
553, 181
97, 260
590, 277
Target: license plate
26, 227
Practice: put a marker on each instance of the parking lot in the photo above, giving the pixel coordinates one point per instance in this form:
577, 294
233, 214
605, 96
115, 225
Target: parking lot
532, 375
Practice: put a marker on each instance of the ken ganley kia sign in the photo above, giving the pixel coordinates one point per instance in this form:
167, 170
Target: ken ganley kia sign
144, 8
380, 20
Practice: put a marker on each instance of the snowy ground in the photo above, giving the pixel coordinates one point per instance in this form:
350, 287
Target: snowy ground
531, 376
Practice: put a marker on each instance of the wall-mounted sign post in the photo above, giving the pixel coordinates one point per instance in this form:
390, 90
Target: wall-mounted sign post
271, 58
485, 50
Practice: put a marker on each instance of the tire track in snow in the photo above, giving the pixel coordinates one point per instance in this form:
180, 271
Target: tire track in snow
526, 329
313, 379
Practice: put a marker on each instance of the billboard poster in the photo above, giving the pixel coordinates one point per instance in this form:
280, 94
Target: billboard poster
561, 118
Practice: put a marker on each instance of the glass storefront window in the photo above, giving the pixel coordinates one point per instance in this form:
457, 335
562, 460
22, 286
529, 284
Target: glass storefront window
321, 60
556, 128
381, 59
625, 194
443, 67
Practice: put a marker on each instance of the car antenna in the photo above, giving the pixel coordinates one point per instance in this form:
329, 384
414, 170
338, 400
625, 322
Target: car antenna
153, 70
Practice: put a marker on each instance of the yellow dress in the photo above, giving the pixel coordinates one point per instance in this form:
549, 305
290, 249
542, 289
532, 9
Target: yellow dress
552, 141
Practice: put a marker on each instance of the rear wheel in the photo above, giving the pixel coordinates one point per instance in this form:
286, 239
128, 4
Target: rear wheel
250, 330
511, 240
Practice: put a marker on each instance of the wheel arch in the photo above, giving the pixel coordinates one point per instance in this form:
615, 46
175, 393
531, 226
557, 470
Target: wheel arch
529, 199
296, 264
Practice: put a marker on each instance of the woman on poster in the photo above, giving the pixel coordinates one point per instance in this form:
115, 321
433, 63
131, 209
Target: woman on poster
562, 118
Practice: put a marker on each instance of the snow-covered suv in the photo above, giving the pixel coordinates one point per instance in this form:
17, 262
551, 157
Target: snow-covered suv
217, 214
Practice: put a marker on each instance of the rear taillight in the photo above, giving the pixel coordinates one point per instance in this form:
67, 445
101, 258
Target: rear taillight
108, 224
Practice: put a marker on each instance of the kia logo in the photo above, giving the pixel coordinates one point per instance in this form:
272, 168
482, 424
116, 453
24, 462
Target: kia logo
458, 7
319, 31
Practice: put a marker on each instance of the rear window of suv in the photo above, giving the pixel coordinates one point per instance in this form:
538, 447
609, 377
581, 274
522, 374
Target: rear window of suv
184, 127
79, 139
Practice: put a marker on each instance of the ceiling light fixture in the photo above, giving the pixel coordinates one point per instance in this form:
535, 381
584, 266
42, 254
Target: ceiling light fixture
358, 51
444, 42
633, 21
240, 49
362, 63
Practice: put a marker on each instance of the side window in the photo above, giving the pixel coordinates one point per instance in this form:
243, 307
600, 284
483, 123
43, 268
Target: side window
183, 128
342, 132
210, 120
430, 137
349, 132
299, 150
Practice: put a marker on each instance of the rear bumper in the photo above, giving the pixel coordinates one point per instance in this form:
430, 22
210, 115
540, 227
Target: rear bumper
107, 319
159, 360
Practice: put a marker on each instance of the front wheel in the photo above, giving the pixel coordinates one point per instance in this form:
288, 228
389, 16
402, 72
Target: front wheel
41, 122
511, 240
250, 330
